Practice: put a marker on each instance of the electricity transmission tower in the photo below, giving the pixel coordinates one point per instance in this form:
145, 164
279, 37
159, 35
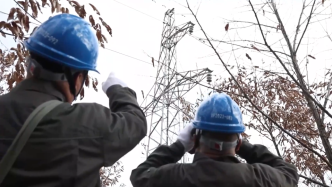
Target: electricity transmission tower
162, 104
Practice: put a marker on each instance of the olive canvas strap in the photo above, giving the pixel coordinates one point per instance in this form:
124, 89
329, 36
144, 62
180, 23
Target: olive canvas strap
23, 135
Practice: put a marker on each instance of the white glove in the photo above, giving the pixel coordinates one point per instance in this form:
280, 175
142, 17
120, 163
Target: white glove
185, 137
112, 80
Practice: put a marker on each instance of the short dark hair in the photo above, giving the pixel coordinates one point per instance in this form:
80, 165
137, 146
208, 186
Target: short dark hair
220, 136
48, 64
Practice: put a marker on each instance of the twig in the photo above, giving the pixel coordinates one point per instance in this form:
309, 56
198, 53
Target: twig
329, 86
6, 33
306, 27
302, 176
298, 26
308, 97
237, 21
313, 181
246, 96
263, 50
291, 76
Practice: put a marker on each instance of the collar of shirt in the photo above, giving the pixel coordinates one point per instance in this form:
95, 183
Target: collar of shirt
200, 157
38, 85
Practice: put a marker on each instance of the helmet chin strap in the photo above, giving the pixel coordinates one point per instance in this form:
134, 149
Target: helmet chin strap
34, 68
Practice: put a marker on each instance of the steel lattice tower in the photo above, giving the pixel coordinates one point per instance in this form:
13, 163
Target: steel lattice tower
162, 104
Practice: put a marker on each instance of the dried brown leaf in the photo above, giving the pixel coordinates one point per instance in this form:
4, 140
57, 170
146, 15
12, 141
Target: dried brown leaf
20, 17
252, 46
226, 27
248, 56
26, 5
311, 57
92, 21
74, 3
19, 47
21, 3
83, 12
99, 36
13, 29
2, 24
94, 8
52, 6
11, 14
63, 10
108, 28
34, 8
38, 5
26, 23
44, 2
104, 38
57, 6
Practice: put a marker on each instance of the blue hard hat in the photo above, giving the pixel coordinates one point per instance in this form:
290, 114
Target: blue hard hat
219, 113
66, 39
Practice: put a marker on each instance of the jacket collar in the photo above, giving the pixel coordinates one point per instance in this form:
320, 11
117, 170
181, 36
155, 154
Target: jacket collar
201, 157
38, 85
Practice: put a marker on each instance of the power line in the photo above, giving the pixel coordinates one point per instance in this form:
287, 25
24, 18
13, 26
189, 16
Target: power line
3, 13
206, 86
138, 11
128, 56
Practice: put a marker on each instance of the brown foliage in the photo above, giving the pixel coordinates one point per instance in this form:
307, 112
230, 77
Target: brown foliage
110, 176
283, 101
283, 106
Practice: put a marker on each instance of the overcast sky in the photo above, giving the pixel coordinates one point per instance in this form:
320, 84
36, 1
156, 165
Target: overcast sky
137, 27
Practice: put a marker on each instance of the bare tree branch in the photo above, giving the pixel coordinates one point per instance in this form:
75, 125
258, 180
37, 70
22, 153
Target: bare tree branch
306, 27
246, 96
298, 27
283, 65
329, 87
302, 84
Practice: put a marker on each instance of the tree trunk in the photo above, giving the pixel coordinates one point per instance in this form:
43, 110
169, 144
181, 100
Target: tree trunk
319, 122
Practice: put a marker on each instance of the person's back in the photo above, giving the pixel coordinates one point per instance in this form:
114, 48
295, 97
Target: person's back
72, 142
215, 137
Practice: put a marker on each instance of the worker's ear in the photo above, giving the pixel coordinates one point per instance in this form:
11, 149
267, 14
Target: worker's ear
239, 143
193, 150
195, 139
79, 81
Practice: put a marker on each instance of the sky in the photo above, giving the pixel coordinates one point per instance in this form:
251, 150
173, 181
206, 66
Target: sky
137, 27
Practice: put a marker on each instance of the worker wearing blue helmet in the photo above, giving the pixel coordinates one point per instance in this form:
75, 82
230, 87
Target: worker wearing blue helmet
73, 141
215, 137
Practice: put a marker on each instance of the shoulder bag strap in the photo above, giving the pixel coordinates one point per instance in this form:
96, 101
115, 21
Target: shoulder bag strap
23, 135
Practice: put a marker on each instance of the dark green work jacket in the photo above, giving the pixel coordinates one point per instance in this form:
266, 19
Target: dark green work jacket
72, 142
263, 169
